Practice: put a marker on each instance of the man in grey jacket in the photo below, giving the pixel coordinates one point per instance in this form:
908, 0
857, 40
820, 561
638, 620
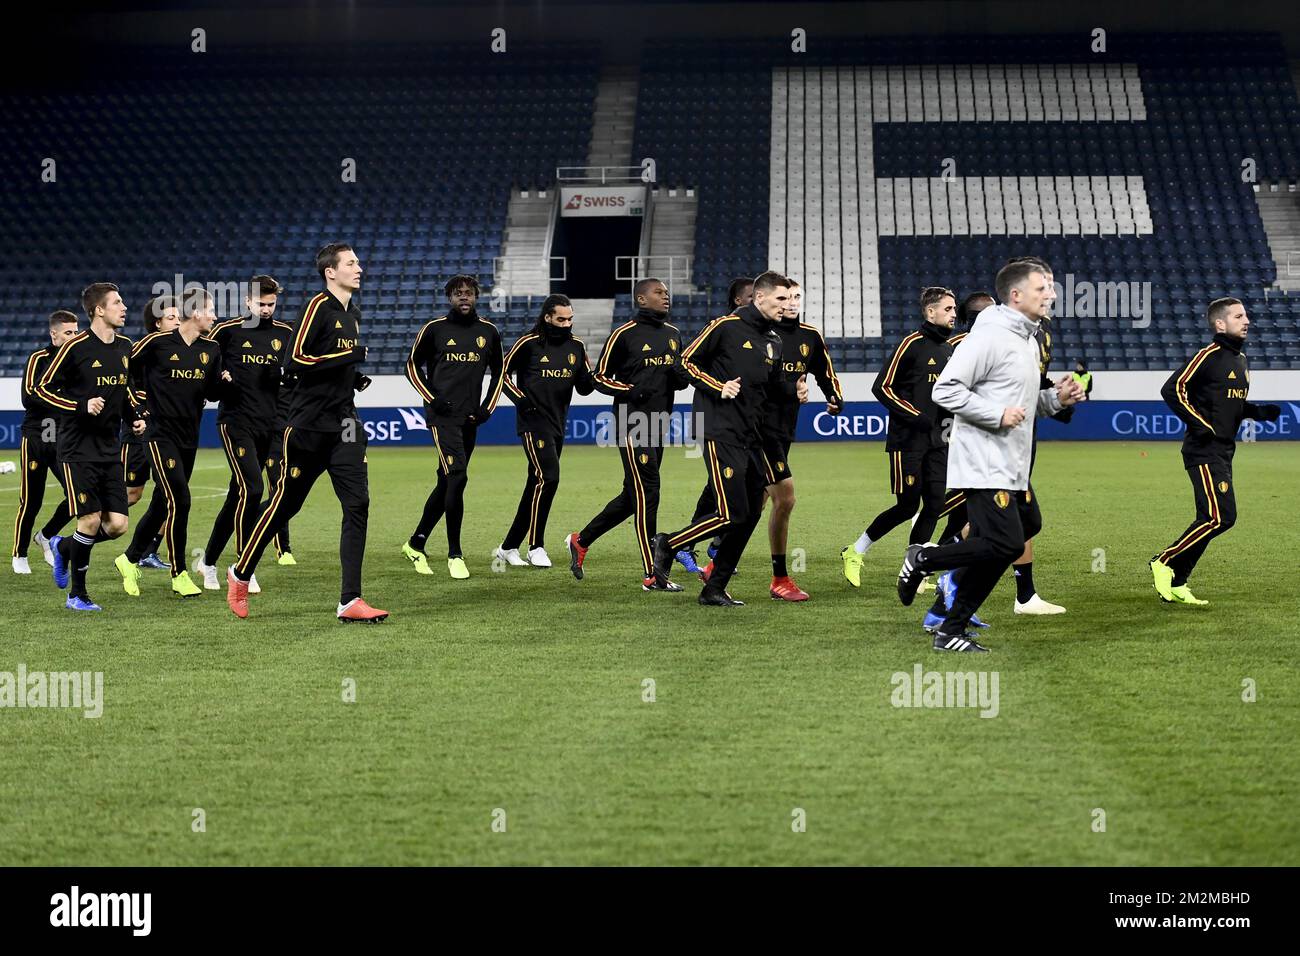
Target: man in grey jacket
991, 385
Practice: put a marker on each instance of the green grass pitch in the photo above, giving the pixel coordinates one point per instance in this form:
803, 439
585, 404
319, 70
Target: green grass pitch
523, 691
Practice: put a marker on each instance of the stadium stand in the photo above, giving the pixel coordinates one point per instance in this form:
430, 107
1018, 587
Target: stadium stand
1124, 168
198, 165
867, 169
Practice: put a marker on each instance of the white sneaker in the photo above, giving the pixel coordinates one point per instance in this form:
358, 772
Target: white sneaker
1036, 605
209, 575
44, 542
253, 586
21, 566
538, 558
510, 557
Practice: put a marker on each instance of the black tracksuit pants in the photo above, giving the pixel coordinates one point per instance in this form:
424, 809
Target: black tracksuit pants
172, 467
737, 481
308, 455
36, 459
1216, 512
248, 452
639, 500
916, 479
454, 444
542, 449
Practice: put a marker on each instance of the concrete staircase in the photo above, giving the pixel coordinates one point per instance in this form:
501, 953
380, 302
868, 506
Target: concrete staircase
614, 118
592, 321
672, 240
525, 270
1280, 213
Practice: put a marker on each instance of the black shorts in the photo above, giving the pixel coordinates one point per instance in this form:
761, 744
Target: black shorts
776, 458
454, 444
905, 471
136, 467
40, 454
94, 487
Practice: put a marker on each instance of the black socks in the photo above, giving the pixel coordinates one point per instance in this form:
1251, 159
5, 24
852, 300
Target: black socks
1024, 581
78, 556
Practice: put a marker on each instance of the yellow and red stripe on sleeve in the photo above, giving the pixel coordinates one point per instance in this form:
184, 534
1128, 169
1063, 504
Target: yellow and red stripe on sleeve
43, 390
300, 354
887, 384
1180, 387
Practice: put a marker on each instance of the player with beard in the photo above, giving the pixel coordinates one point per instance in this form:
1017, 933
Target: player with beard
1209, 394
252, 351
916, 444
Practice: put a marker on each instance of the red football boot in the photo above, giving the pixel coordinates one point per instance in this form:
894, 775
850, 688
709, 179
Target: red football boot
236, 593
784, 589
360, 612
576, 554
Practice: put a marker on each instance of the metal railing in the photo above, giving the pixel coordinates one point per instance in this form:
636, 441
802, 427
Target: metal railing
670, 268
598, 174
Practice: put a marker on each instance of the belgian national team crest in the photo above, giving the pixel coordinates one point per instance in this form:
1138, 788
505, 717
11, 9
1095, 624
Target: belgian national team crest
481, 342
1223, 487
203, 358
1001, 499
803, 349
275, 344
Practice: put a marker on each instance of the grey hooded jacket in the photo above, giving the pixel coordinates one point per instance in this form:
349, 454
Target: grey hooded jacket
995, 367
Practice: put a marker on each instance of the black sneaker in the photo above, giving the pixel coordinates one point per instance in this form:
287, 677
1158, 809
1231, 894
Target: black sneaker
654, 583
958, 642
663, 558
910, 577
711, 597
